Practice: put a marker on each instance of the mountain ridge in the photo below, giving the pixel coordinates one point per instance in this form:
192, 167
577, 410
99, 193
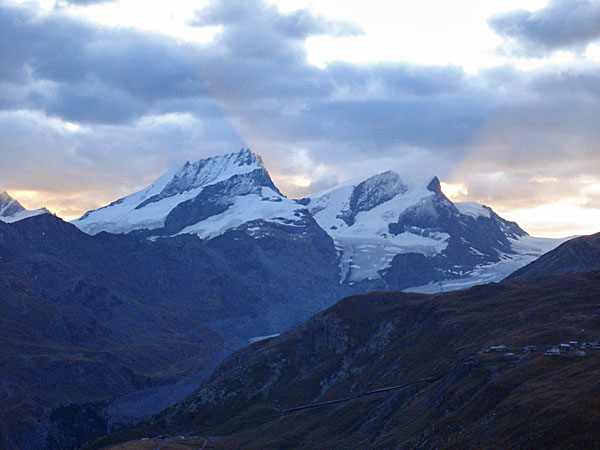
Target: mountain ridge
581, 254
375, 223
12, 211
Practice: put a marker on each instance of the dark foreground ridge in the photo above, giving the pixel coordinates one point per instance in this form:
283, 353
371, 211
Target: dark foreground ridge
581, 254
510, 365
90, 319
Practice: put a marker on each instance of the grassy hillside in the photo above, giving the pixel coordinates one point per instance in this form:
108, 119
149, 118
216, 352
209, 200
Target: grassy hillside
512, 397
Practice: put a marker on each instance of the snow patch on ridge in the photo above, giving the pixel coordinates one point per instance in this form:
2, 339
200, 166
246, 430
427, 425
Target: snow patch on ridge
149, 208
24, 215
365, 244
473, 209
268, 206
527, 250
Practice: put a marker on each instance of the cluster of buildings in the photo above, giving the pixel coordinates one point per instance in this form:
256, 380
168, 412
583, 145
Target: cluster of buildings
572, 348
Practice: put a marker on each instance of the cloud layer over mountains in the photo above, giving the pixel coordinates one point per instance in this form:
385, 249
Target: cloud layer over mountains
90, 112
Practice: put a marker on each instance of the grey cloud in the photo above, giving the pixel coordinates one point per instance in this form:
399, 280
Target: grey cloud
90, 103
394, 79
584, 83
563, 24
28, 44
254, 86
82, 2
257, 69
103, 76
148, 71
42, 155
256, 15
255, 32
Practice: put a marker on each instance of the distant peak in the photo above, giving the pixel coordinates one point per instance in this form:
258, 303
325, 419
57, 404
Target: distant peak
204, 172
373, 192
8, 205
386, 174
11, 210
435, 185
208, 170
246, 157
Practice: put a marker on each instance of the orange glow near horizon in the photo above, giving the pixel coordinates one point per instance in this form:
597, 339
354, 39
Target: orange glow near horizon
454, 191
557, 218
25, 196
67, 206
562, 218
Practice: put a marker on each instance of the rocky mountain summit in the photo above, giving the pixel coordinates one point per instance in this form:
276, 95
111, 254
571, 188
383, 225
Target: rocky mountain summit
12, 211
205, 198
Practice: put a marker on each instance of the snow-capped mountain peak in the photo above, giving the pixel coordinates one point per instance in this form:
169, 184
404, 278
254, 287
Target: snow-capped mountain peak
187, 195
210, 171
383, 227
360, 218
384, 230
11, 210
8, 205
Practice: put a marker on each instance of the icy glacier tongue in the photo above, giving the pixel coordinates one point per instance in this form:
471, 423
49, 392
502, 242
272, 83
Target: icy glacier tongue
12, 211
358, 218
207, 198
405, 235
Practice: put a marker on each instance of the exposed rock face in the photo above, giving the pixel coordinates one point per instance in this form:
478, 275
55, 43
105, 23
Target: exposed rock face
9, 206
371, 193
217, 198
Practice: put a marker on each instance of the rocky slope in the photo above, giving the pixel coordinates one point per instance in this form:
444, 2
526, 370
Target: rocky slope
88, 318
487, 382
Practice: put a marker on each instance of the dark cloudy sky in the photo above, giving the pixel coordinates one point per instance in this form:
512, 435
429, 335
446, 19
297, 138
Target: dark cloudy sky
98, 98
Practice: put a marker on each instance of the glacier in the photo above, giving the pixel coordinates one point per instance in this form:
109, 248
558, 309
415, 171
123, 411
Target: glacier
381, 227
